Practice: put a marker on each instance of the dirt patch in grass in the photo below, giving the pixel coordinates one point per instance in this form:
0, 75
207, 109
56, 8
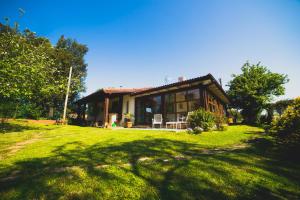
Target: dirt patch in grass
20, 145
44, 122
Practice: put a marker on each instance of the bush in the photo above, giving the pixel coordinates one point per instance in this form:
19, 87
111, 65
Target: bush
289, 122
221, 122
203, 119
29, 111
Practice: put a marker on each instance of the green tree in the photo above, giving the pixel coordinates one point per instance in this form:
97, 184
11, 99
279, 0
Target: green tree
69, 52
34, 71
252, 90
24, 66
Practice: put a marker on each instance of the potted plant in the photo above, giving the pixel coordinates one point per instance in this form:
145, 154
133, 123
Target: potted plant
128, 118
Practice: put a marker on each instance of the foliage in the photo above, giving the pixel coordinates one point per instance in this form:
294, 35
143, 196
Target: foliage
220, 121
129, 117
289, 122
281, 105
34, 71
25, 65
201, 118
275, 108
67, 53
252, 90
236, 115
29, 110
6, 107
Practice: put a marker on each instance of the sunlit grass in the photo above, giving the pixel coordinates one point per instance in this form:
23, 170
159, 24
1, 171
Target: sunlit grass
71, 162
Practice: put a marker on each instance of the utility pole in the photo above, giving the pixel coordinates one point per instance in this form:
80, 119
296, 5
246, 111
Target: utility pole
67, 95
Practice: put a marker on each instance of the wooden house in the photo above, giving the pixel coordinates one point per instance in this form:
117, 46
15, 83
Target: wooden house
173, 101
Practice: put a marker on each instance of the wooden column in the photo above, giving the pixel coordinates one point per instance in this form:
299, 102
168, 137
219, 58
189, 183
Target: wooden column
78, 110
105, 111
205, 99
120, 108
83, 111
163, 108
203, 96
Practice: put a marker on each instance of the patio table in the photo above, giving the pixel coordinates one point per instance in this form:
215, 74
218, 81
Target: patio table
171, 123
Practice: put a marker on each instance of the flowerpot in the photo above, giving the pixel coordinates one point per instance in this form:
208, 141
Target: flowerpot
128, 124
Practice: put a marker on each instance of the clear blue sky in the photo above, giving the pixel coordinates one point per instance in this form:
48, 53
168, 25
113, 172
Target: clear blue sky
138, 43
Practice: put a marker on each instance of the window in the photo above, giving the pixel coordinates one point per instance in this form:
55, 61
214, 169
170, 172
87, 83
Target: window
149, 110
177, 105
169, 98
212, 104
180, 96
170, 108
127, 106
146, 107
169, 103
170, 117
181, 107
113, 105
194, 105
156, 104
193, 94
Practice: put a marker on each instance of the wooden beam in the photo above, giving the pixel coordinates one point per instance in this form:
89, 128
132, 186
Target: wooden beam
163, 108
83, 112
203, 96
105, 111
120, 108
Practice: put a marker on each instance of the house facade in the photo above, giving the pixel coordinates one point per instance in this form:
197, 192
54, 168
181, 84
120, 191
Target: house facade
172, 101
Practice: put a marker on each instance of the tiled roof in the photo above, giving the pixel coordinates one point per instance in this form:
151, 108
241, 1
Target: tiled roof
112, 90
208, 76
138, 91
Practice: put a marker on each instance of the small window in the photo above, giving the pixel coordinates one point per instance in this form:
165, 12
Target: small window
193, 94
148, 110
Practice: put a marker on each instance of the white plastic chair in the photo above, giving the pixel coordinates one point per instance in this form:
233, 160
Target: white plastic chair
183, 120
157, 119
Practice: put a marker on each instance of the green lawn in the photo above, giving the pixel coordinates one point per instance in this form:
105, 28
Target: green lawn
69, 162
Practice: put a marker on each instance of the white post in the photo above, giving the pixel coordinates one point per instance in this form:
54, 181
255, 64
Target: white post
67, 95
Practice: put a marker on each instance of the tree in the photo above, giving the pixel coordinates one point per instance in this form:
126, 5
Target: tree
35, 72
277, 108
67, 53
252, 90
24, 66
289, 122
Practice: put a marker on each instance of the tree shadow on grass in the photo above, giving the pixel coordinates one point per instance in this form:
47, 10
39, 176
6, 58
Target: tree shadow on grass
8, 127
151, 169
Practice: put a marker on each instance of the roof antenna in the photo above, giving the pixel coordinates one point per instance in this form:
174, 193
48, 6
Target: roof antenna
167, 80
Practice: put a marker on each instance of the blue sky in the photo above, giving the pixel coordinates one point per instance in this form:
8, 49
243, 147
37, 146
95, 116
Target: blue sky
138, 43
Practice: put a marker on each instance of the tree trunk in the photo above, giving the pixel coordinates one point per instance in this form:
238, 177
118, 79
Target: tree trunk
251, 116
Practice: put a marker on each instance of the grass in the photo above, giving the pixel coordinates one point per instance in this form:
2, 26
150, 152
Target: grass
69, 162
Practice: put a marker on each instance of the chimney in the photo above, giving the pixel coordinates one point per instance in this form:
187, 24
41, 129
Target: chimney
181, 78
220, 81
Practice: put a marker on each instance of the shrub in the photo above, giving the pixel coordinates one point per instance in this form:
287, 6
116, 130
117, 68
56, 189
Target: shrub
201, 118
29, 111
221, 122
289, 122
